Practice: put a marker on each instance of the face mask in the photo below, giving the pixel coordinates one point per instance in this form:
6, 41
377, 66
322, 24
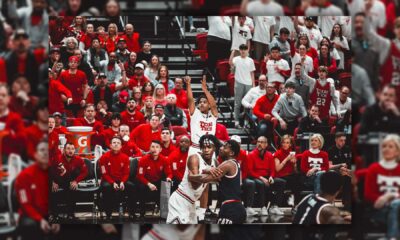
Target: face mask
126, 138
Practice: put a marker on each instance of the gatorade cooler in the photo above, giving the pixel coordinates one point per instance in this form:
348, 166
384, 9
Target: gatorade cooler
80, 137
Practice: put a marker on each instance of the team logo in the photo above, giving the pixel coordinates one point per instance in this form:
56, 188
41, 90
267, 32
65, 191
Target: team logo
82, 141
315, 162
388, 184
205, 126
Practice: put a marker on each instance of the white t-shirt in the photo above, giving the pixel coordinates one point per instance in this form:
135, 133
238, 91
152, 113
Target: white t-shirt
331, 10
220, 27
243, 69
313, 34
308, 63
257, 8
345, 21
326, 24
286, 22
272, 74
201, 124
343, 106
262, 27
378, 14
240, 35
344, 44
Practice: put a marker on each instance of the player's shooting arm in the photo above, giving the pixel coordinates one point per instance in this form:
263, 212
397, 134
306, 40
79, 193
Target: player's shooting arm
210, 98
189, 93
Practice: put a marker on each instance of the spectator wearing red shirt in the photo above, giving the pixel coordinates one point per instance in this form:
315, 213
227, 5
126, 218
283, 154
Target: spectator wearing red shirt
76, 81
167, 146
261, 168
59, 94
129, 147
263, 110
111, 38
15, 135
38, 130
115, 169
113, 130
144, 134
131, 116
314, 162
53, 138
285, 168
89, 120
221, 133
382, 186
32, 188
152, 168
65, 174
139, 79
59, 128
132, 38
180, 93
177, 160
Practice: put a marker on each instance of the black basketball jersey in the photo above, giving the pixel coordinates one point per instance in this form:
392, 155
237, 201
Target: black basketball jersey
308, 210
229, 187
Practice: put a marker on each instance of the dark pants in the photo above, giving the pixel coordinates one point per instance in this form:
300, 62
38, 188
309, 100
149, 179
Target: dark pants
111, 198
29, 229
291, 125
146, 195
232, 213
66, 196
265, 129
346, 192
294, 183
249, 188
265, 192
217, 50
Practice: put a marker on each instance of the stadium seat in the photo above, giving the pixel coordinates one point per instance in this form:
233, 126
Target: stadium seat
201, 43
223, 69
179, 130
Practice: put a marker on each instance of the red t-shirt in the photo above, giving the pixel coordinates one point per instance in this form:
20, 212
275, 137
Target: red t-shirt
56, 89
143, 136
74, 83
135, 82
181, 98
132, 120
177, 161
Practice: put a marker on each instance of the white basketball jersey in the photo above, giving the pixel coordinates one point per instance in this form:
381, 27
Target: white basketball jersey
171, 232
186, 186
201, 124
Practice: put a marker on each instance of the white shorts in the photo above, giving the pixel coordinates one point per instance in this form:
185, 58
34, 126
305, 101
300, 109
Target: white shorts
180, 210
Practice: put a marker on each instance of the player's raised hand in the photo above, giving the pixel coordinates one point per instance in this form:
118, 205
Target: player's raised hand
204, 83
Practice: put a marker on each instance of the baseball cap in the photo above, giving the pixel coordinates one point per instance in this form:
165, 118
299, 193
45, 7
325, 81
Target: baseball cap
121, 40
159, 106
308, 18
73, 58
102, 75
123, 96
57, 114
236, 138
20, 33
139, 65
55, 49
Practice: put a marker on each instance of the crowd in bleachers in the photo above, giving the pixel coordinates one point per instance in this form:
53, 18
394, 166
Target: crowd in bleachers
291, 79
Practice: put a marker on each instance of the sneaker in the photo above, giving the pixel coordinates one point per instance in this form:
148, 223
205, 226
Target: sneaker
193, 29
264, 211
275, 210
250, 211
290, 200
237, 125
